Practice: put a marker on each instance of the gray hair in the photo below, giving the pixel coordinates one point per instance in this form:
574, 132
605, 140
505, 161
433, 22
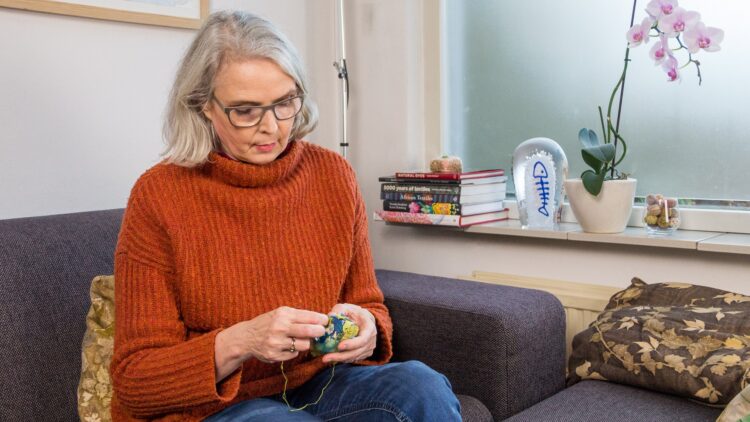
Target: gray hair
226, 35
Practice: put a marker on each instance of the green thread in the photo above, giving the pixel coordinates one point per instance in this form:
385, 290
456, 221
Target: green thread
286, 381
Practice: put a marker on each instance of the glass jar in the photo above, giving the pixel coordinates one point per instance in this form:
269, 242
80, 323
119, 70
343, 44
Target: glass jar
662, 216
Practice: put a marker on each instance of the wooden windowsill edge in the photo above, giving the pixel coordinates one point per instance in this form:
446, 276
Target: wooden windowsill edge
719, 242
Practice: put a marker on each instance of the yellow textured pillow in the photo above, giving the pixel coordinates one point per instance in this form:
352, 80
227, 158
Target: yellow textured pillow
738, 409
95, 387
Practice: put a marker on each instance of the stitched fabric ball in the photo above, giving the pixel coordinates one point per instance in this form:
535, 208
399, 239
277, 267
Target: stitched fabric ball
340, 327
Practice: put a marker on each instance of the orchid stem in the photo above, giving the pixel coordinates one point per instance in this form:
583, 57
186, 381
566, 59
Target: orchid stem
690, 60
601, 119
621, 84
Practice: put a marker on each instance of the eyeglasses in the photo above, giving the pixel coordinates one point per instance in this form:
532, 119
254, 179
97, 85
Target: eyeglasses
248, 116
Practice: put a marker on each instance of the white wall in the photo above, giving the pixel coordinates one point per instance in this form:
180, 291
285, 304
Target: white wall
101, 87
81, 100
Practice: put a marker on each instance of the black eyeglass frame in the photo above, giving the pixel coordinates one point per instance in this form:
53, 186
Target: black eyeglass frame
264, 109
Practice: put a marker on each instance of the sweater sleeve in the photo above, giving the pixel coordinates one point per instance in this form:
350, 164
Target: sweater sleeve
361, 286
155, 368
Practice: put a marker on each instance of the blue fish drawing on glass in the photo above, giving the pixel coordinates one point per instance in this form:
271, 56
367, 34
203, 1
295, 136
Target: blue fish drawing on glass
539, 168
542, 186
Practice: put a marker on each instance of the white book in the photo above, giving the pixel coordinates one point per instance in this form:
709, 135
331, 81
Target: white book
481, 198
481, 208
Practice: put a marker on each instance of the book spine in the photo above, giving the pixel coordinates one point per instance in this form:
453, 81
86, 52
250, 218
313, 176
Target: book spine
429, 176
430, 189
427, 219
427, 181
425, 197
418, 207
449, 176
441, 182
464, 224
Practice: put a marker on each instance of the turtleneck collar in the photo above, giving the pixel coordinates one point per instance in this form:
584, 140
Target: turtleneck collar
238, 173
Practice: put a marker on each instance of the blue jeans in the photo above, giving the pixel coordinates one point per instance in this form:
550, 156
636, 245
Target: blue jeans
405, 391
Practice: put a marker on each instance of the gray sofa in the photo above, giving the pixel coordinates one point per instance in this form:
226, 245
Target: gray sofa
501, 347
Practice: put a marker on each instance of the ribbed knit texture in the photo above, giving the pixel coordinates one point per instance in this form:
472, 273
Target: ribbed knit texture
204, 248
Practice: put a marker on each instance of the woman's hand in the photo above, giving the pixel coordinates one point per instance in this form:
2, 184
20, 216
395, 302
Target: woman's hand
360, 347
275, 336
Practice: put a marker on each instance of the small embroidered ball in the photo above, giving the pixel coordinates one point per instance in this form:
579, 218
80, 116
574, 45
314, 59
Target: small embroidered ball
446, 164
340, 327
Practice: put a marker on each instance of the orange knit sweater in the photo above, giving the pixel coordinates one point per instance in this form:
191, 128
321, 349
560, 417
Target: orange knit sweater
203, 248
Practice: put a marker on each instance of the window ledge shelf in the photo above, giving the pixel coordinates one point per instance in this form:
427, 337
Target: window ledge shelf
733, 243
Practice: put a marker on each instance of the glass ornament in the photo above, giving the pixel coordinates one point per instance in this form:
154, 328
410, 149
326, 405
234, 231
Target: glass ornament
539, 169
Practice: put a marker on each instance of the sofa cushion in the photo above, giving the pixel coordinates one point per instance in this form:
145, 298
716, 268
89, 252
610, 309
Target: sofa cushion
640, 293
95, 386
682, 339
595, 401
46, 267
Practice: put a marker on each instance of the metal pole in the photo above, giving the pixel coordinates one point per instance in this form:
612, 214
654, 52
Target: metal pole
343, 75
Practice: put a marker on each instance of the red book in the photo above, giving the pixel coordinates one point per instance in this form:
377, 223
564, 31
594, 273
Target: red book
480, 174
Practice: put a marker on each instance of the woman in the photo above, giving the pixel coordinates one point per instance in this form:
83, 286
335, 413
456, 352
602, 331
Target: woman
236, 247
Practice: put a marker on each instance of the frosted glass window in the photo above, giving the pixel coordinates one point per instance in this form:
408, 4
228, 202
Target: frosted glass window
517, 69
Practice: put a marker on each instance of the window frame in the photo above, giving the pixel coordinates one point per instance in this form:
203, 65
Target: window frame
716, 219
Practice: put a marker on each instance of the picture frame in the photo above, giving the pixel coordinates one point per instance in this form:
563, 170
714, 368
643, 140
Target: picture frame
172, 13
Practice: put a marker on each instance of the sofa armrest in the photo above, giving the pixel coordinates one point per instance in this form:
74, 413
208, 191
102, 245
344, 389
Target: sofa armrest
502, 345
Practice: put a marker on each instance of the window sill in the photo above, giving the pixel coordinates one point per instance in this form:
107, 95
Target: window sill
732, 243
636, 236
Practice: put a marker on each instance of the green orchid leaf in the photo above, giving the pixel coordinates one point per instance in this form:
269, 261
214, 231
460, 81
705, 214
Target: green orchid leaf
592, 181
588, 138
604, 153
593, 162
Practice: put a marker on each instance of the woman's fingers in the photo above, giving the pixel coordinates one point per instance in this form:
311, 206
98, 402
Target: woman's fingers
305, 331
285, 316
355, 343
349, 356
361, 316
356, 349
298, 323
341, 308
302, 316
363, 345
295, 344
281, 334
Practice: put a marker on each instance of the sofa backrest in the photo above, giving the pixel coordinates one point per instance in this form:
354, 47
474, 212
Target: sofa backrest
46, 267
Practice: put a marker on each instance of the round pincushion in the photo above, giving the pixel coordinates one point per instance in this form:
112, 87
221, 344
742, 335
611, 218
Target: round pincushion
340, 327
446, 164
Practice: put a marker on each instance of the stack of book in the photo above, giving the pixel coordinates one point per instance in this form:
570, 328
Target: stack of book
446, 199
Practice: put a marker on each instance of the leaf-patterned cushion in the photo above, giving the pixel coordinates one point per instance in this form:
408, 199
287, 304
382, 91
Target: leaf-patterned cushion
95, 387
677, 338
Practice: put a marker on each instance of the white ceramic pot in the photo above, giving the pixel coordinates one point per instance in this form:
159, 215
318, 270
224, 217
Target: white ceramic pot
607, 212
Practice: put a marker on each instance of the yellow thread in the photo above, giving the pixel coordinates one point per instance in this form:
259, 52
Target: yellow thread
286, 381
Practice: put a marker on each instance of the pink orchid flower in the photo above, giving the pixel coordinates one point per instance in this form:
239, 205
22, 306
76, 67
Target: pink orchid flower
701, 37
678, 21
670, 66
638, 33
660, 50
659, 8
